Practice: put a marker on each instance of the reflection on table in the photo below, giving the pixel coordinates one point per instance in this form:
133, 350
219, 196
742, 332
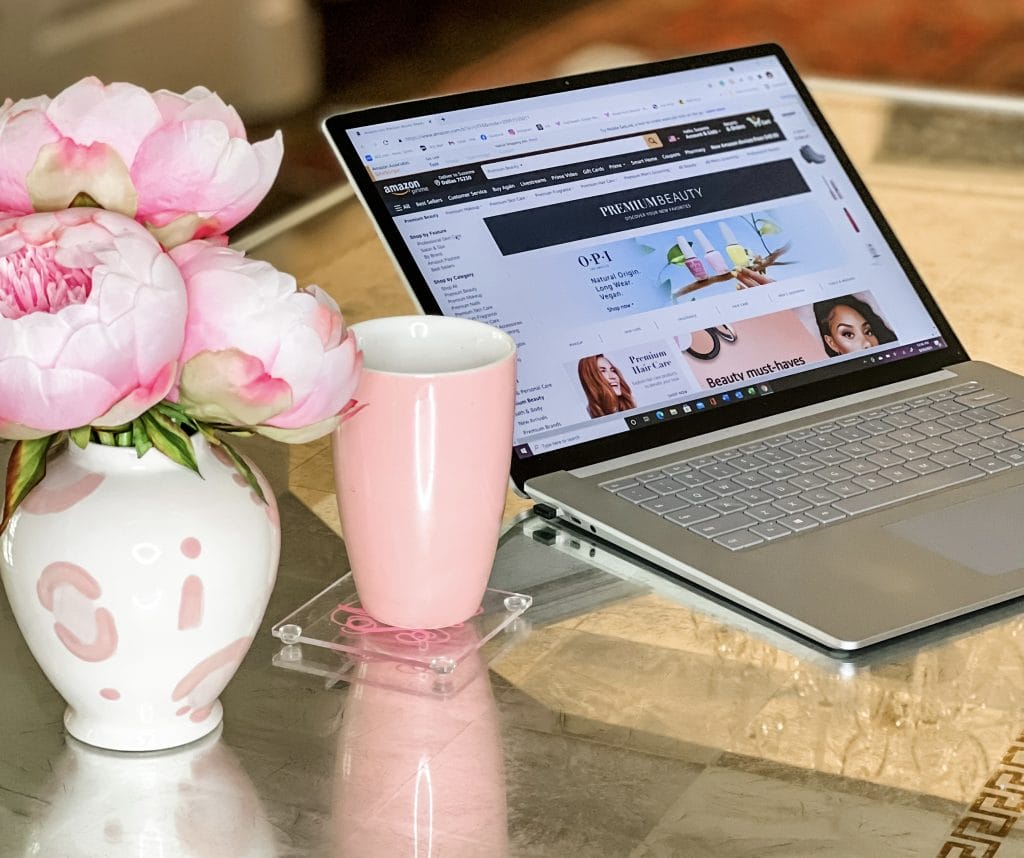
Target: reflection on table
192, 802
419, 774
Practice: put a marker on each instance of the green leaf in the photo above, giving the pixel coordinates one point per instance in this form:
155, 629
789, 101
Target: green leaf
675, 255
140, 439
237, 431
170, 439
176, 413
240, 464
81, 436
26, 467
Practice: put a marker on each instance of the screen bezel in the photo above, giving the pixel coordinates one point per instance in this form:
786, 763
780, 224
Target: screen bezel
629, 442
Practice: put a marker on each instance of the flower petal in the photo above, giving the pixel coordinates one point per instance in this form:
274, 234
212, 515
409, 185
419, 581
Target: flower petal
23, 132
302, 435
108, 341
215, 176
65, 169
198, 103
16, 432
140, 399
52, 399
326, 395
121, 115
231, 387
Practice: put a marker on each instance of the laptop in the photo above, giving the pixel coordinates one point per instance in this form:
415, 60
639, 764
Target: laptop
727, 365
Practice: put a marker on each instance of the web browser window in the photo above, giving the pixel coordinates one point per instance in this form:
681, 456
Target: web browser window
656, 247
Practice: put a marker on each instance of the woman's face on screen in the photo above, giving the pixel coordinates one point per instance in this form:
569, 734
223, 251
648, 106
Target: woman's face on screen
608, 373
849, 331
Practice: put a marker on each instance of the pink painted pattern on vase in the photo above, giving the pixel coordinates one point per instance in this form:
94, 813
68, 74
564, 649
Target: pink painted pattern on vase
201, 686
52, 498
191, 547
68, 591
221, 456
422, 470
65, 574
190, 608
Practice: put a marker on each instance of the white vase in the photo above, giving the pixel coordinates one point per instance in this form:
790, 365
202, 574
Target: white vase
139, 587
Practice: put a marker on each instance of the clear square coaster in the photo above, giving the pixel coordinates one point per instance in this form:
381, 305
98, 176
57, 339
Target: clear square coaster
332, 636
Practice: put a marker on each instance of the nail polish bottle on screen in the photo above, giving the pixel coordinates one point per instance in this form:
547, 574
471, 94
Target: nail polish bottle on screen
711, 256
695, 266
735, 251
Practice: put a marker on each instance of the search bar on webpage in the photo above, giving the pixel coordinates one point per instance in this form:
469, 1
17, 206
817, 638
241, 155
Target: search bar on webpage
604, 149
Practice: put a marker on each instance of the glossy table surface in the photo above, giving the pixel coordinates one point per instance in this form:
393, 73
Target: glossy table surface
623, 715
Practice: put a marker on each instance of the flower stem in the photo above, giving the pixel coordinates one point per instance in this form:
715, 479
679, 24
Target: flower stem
117, 436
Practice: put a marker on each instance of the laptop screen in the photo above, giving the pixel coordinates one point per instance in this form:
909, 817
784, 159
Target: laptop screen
659, 247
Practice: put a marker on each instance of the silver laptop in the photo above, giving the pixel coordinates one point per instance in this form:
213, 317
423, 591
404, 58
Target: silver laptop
727, 364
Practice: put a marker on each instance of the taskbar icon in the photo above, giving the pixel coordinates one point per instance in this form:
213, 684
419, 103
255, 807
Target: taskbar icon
695, 406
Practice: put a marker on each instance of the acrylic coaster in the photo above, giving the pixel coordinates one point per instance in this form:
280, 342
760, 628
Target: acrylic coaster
333, 637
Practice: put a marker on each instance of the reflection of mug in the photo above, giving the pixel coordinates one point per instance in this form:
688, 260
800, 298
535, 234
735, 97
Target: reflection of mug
422, 469
420, 775
194, 802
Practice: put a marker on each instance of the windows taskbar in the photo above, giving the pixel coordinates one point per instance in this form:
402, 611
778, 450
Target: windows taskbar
719, 398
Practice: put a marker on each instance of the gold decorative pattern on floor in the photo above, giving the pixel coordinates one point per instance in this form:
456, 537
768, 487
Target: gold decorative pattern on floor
986, 824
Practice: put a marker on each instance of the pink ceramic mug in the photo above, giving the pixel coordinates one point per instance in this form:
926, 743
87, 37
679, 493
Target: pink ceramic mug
422, 470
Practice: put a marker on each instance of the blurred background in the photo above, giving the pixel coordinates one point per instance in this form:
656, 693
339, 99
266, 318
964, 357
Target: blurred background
288, 63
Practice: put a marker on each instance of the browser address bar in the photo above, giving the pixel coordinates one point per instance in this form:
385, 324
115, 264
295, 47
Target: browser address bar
622, 146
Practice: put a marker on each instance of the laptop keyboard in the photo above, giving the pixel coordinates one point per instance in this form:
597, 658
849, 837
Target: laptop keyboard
750, 494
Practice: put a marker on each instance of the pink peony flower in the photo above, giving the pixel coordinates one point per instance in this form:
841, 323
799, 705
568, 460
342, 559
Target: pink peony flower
179, 164
92, 319
260, 352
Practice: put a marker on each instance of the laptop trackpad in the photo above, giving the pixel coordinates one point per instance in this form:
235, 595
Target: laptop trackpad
985, 534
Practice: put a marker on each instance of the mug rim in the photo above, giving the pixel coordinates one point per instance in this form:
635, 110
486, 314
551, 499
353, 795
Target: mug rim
398, 322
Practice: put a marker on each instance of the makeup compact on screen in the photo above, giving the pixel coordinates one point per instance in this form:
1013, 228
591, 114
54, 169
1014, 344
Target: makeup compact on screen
727, 364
